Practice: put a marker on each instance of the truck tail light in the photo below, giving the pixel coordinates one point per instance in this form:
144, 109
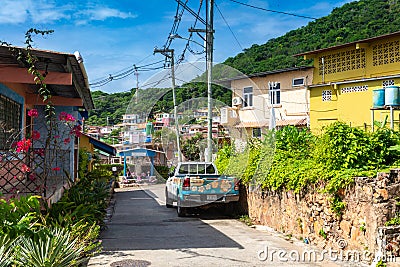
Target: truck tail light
186, 183
237, 184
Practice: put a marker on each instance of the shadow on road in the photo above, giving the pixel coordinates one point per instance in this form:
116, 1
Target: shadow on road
140, 223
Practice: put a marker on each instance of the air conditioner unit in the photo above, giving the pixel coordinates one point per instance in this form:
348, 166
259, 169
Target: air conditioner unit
236, 101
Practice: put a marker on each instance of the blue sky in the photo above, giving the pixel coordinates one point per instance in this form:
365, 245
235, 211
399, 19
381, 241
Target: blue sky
112, 36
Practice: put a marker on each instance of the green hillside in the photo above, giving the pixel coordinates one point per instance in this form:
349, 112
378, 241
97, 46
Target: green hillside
351, 22
150, 101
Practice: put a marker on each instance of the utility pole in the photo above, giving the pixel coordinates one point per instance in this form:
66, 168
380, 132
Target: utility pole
209, 58
137, 84
169, 53
209, 50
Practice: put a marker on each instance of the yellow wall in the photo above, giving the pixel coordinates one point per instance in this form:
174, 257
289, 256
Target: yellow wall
86, 145
369, 67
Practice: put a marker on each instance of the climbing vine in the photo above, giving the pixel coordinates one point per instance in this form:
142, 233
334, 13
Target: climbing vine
293, 159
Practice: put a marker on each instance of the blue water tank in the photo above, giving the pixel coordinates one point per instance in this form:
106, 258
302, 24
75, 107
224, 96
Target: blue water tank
392, 96
378, 98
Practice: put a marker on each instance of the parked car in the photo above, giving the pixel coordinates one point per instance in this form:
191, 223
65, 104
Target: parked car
195, 184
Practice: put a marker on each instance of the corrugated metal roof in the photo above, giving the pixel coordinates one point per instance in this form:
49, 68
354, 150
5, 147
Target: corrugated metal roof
293, 122
251, 124
349, 44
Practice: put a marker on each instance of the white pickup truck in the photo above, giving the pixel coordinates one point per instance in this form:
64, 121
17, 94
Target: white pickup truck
194, 184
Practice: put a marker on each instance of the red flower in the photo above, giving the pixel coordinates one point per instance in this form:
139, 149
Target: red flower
32, 177
24, 145
67, 140
33, 113
56, 169
25, 168
35, 135
40, 152
64, 116
76, 130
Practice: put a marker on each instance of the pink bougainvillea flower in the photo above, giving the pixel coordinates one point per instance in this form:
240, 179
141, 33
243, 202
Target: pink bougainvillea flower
67, 140
56, 169
40, 152
35, 135
24, 145
76, 130
56, 136
25, 168
64, 116
33, 113
32, 177
14, 145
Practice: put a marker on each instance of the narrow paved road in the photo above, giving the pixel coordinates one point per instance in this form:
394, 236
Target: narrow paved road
143, 232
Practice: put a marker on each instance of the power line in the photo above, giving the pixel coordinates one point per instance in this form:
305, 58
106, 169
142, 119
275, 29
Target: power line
273, 11
125, 73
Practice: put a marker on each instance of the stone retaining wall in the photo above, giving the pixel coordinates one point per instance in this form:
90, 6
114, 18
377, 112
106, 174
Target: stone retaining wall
369, 204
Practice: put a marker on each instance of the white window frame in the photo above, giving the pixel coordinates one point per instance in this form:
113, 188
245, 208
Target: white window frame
247, 97
300, 78
274, 93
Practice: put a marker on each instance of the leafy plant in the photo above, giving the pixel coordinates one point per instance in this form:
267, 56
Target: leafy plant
322, 234
393, 221
6, 251
363, 227
246, 220
337, 205
49, 248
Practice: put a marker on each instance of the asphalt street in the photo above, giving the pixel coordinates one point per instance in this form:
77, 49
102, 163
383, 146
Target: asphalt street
143, 232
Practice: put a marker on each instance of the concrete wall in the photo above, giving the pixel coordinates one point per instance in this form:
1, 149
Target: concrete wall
369, 204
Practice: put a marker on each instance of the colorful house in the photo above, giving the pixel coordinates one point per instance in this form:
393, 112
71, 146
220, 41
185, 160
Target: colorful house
268, 100
89, 145
37, 156
347, 77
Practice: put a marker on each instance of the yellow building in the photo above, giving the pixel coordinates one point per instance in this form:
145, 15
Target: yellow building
89, 144
345, 78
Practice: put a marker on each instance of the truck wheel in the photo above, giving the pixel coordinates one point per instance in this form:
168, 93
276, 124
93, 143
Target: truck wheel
182, 211
168, 202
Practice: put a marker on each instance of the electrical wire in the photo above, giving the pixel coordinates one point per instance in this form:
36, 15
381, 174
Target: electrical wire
273, 11
125, 73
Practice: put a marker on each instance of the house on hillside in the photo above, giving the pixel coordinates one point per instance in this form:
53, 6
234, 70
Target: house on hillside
37, 157
348, 77
268, 100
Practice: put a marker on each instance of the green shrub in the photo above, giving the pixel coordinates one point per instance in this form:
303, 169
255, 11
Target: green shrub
163, 171
49, 248
293, 159
20, 216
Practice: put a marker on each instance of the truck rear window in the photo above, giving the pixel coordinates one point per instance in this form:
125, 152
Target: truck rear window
197, 169
210, 169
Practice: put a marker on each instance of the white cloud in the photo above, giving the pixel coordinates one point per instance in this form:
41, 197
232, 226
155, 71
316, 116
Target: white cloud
42, 11
12, 12
103, 13
47, 13
18, 12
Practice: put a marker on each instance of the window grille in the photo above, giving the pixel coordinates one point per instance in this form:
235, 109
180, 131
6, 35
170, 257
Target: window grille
10, 121
342, 61
327, 95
